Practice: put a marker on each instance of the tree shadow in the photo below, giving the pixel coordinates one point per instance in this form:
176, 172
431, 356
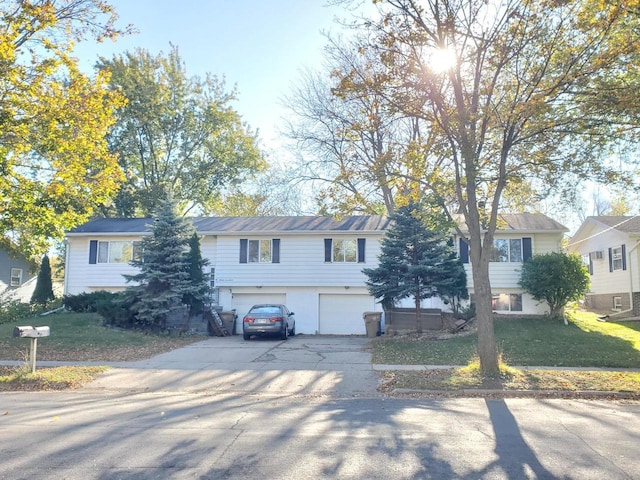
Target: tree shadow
515, 457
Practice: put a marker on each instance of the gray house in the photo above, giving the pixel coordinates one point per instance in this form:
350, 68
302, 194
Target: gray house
17, 276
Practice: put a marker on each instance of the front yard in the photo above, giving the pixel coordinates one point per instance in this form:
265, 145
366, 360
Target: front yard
585, 342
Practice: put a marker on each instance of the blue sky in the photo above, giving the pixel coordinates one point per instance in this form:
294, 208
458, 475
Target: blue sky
258, 45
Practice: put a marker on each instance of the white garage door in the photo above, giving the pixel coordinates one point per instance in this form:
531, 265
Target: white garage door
242, 302
342, 314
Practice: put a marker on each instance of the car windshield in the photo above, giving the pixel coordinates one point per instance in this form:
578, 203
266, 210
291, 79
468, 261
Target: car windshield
267, 309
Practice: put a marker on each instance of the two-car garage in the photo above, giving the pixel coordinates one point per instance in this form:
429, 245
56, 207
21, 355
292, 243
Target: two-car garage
317, 312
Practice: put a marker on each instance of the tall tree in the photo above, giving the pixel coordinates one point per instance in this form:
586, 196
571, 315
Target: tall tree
43, 293
197, 295
176, 133
54, 162
164, 279
504, 85
416, 260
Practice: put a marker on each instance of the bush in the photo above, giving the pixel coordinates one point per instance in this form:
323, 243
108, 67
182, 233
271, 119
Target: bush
119, 310
87, 302
14, 311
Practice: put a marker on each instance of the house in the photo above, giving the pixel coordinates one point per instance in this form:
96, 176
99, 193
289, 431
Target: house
17, 276
609, 246
518, 237
312, 264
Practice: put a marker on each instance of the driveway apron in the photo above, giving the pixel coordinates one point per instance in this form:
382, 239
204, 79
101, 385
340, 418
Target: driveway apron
303, 365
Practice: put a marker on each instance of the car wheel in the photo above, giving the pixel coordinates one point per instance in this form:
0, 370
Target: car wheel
292, 333
246, 336
285, 333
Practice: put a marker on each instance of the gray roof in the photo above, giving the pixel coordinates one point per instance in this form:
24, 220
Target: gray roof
231, 225
627, 224
532, 222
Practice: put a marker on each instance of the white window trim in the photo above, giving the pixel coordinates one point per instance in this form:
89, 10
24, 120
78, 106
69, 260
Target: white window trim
509, 240
134, 245
343, 250
260, 250
616, 256
16, 273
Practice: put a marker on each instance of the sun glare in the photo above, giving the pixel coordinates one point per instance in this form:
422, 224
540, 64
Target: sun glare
442, 59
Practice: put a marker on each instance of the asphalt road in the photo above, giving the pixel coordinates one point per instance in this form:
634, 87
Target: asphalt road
162, 420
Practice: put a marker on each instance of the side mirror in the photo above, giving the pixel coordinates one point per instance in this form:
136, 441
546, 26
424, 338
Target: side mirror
291, 313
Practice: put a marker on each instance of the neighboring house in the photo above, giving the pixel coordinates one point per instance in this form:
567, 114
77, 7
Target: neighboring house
609, 247
17, 276
312, 264
518, 237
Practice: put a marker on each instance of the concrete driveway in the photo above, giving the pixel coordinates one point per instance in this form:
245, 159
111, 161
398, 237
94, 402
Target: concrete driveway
302, 365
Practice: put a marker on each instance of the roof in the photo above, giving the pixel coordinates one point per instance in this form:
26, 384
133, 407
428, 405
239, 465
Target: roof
523, 223
531, 222
627, 224
233, 225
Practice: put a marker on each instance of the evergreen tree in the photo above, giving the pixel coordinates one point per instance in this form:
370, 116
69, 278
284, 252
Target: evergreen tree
199, 279
415, 261
163, 280
454, 288
43, 292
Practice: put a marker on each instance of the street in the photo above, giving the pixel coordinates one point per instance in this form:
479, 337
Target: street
321, 419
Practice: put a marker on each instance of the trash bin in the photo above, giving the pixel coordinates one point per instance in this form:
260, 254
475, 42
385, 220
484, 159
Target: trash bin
372, 323
228, 319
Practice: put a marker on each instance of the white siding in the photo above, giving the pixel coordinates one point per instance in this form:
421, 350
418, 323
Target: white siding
81, 276
301, 263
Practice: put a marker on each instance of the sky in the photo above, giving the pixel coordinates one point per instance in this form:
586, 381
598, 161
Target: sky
258, 45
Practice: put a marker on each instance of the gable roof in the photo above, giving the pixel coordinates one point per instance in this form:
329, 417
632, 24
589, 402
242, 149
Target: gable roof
622, 223
235, 225
529, 222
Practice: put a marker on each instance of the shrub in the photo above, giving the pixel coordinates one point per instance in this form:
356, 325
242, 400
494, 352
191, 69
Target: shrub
14, 311
118, 310
87, 302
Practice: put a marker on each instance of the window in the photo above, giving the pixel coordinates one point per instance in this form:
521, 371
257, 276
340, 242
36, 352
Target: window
341, 250
16, 277
616, 258
617, 303
114, 251
344, 251
507, 250
507, 302
259, 251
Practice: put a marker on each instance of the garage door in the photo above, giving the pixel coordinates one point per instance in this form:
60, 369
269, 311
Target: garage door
242, 302
342, 314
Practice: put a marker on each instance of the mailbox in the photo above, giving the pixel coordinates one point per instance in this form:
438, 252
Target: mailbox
30, 332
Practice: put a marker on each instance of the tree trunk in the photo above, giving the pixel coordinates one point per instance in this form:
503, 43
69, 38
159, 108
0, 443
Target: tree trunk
418, 322
487, 350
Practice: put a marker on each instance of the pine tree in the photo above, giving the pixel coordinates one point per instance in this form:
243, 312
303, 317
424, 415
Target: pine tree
198, 278
415, 261
43, 292
163, 280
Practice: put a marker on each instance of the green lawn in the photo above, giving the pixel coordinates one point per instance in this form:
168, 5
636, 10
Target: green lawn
81, 337
585, 342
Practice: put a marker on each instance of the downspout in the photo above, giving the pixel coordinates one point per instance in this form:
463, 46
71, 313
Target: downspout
629, 264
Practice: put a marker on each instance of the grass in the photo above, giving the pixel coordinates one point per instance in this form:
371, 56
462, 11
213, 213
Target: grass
56, 378
585, 342
75, 337
81, 337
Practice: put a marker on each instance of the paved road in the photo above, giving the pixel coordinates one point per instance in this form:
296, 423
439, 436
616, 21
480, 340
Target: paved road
306, 408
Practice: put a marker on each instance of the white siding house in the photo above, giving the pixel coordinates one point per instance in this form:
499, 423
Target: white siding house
609, 246
517, 238
311, 264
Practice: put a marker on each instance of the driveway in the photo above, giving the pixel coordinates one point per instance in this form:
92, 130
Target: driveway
302, 365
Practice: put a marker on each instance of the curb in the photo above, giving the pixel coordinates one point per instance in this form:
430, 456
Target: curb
487, 393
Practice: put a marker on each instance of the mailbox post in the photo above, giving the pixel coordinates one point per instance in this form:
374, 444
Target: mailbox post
33, 333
